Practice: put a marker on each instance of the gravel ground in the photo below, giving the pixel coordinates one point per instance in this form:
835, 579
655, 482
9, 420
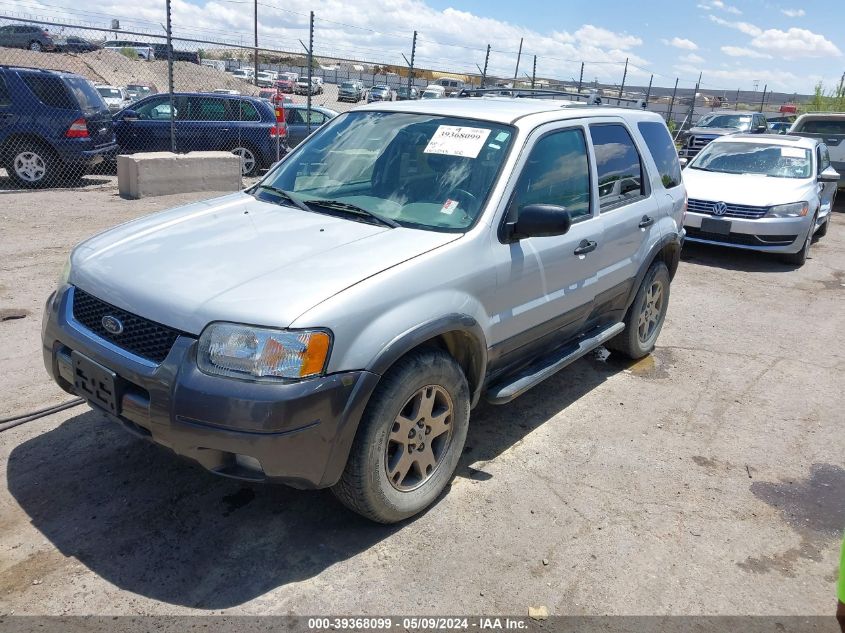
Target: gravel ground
705, 479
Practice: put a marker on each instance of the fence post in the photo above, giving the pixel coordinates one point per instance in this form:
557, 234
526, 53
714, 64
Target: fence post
692, 102
411, 69
484, 72
310, 68
624, 77
763, 100
518, 56
581, 78
255, 50
736, 103
534, 73
672, 102
648, 92
170, 79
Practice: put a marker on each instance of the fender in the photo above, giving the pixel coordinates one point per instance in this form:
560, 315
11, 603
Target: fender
674, 241
408, 340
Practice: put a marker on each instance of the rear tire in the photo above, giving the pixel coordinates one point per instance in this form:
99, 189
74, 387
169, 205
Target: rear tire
35, 46
645, 316
249, 159
410, 438
32, 165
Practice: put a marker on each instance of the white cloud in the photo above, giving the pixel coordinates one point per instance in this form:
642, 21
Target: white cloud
691, 58
794, 13
795, 43
744, 27
597, 36
682, 43
710, 5
739, 51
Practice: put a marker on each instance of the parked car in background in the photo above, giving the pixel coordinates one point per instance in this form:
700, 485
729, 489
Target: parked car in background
379, 93
266, 78
450, 85
243, 125
303, 87
53, 126
335, 324
74, 44
139, 91
433, 92
290, 76
766, 193
828, 127
31, 36
160, 51
115, 98
296, 118
285, 85
352, 91
246, 74
717, 124
403, 94
779, 127
274, 96
142, 50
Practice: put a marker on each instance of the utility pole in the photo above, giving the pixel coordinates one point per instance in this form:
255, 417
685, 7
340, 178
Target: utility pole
624, 76
763, 100
170, 79
484, 72
648, 92
736, 104
581, 78
255, 52
672, 102
310, 67
516, 71
534, 73
411, 69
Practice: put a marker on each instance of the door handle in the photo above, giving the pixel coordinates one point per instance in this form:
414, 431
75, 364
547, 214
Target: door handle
585, 247
646, 222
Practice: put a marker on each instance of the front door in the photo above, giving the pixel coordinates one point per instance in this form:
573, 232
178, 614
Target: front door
827, 190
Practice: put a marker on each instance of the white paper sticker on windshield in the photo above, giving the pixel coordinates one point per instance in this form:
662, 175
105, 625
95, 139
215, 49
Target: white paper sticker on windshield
792, 152
454, 140
449, 206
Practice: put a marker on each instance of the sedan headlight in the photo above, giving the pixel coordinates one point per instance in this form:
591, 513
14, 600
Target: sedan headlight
794, 210
65, 274
243, 351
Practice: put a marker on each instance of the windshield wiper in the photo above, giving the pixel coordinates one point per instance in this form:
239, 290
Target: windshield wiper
286, 196
353, 209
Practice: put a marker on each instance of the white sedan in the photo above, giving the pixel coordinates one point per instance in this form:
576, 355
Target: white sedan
762, 192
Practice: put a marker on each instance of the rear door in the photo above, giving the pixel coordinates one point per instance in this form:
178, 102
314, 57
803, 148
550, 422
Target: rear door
629, 209
297, 128
206, 125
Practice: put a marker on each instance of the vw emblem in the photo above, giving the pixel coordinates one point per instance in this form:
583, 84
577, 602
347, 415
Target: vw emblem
720, 208
112, 325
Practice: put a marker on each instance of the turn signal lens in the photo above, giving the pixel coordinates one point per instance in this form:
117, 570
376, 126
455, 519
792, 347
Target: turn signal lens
77, 129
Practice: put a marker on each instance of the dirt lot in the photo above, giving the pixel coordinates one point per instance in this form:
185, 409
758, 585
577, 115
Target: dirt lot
707, 478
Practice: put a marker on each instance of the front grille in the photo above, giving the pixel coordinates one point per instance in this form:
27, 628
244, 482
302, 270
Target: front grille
741, 239
734, 210
697, 143
141, 337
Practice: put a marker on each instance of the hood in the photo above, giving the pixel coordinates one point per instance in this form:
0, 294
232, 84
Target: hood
713, 131
237, 259
747, 189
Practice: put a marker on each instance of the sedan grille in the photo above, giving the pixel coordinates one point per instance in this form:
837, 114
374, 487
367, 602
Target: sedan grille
139, 336
741, 211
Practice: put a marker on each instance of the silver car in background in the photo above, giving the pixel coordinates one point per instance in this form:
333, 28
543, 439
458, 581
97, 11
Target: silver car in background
761, 192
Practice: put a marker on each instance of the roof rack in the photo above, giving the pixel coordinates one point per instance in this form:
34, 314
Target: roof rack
593, 98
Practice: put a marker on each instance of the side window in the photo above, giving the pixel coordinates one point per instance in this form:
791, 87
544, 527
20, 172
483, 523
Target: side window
317, 118
243, 110
663, 152
206, 109
557, 172
5, 98
154, 109
293, 116
824, 157
50, 91
620, 170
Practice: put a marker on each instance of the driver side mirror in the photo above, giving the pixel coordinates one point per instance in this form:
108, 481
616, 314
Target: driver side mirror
538, 220
129, 115
829, 175
684, 162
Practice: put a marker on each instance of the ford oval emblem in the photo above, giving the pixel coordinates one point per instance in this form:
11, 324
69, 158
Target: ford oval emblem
112, 325
720, 208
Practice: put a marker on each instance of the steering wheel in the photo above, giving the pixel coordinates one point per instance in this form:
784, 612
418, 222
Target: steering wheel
466, 198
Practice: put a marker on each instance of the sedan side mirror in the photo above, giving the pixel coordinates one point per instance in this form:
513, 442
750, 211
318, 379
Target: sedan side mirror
829, 175
684, 162
129, 115
538, 220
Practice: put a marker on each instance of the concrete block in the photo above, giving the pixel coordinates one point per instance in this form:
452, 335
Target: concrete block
162, 173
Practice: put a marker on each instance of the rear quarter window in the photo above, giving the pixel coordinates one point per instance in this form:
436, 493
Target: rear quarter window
662, 149
50, 91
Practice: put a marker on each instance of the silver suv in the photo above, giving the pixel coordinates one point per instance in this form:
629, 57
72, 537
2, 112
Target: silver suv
333, 325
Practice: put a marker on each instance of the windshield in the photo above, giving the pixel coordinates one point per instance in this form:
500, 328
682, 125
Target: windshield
109, 92
348, 86
735, 121
776, 161
418, 170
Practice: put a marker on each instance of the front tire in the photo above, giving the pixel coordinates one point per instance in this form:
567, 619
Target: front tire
645, 316
824, 227
410, 438
800, 258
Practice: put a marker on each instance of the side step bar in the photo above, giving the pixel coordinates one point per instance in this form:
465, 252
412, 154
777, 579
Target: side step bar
517, 384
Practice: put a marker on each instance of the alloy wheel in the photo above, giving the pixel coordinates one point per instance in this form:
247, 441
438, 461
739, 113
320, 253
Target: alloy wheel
419, 438
29, 167
35, 46
651, 311
247, 159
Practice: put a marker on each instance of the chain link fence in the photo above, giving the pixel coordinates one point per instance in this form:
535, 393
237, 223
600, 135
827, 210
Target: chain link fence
73, 96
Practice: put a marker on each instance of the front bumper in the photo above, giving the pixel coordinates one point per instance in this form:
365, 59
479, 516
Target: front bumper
775, 235
298, 433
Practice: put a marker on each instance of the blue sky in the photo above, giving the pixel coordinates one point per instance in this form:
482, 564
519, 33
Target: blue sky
788, 45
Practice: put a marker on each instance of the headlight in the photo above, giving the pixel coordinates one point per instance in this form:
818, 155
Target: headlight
794, 210
229, 349
65, 274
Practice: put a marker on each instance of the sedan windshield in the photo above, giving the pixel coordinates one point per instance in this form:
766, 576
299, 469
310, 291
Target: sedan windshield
776, 161
416, 170
735, 121
109, 92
